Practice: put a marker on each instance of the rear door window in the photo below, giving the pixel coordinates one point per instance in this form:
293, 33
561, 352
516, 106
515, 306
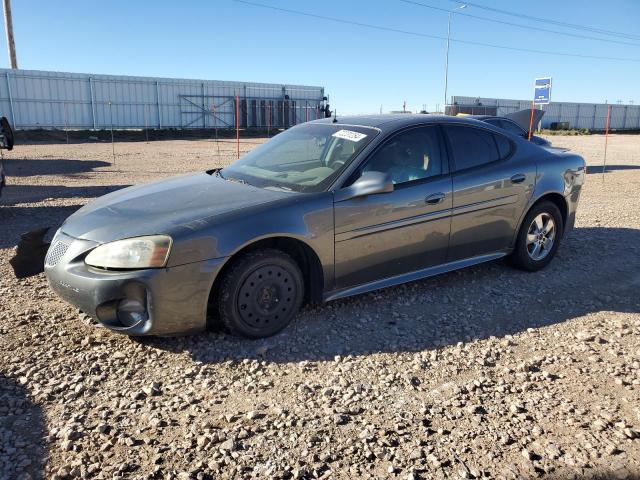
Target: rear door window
471, 147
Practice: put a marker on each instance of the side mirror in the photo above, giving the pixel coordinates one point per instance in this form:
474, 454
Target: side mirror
370, 183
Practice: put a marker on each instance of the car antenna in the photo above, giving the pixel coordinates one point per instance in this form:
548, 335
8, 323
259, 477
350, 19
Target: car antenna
335, 115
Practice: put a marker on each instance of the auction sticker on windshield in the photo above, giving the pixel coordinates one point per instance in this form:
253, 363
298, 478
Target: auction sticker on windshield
349, 135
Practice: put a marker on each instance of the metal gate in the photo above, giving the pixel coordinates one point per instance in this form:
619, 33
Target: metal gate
213, 111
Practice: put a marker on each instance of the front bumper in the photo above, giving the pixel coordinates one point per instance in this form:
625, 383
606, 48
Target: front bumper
174, 299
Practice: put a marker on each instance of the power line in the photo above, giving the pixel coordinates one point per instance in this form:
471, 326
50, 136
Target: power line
602, 31
519, 25
426, 35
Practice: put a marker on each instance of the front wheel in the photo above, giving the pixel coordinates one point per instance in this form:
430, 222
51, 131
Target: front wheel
260, 294
539, 237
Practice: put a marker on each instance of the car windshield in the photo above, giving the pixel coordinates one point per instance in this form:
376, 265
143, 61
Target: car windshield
306, 158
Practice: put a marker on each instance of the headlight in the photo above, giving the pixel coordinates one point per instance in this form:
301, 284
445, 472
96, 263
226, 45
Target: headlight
139, 252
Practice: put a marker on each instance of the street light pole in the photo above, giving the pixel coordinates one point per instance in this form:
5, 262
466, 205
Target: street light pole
446, 58
446, 64
8, 26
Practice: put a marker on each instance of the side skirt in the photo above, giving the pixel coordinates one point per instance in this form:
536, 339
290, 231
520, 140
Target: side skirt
412, 276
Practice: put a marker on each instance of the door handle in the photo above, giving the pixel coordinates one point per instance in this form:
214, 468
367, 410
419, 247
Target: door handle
518, 178
434, 198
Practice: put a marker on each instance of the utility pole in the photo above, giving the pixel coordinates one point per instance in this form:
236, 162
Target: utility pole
446, 58
8, 27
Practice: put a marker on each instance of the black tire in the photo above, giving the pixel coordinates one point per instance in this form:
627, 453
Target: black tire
522, 256
260, 294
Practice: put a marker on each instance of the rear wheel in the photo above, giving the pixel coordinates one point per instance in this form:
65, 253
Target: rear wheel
260, 294
539, 237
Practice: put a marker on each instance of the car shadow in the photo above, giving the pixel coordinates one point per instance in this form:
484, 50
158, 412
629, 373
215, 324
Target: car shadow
21, 219
596, 269
24, 446
17, 218
15, 194
54, 166
610, 168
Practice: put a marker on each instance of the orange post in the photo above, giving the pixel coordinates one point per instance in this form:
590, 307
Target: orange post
531, 121
215, 126
268, 119
606, 140
238, 126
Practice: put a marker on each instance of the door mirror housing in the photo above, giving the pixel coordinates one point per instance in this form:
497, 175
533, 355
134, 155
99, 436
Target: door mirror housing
369, 183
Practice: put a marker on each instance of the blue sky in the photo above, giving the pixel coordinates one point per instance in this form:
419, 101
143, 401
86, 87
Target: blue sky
362, 69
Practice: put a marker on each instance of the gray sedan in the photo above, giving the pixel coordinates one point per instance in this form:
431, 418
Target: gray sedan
325, 210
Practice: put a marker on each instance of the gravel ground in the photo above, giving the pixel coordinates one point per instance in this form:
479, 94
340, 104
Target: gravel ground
484, 373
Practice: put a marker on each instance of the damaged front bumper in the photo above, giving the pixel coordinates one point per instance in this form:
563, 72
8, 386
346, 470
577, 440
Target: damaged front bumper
159, 301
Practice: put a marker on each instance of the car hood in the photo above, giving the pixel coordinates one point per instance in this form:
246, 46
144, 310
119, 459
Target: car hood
168, 206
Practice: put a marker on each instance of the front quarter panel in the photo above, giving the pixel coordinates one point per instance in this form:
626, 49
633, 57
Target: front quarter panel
305, 217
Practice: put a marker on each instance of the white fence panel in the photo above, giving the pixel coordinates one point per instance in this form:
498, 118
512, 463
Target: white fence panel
39, 99
579, 115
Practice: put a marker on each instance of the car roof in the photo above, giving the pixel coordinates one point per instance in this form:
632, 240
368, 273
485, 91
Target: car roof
393, 121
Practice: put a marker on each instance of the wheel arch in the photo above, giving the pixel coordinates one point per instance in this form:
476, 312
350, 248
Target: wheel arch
559, 200
554, 197
305, 256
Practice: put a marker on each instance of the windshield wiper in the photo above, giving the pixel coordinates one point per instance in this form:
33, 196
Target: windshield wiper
281, 187
237, 180
218, 173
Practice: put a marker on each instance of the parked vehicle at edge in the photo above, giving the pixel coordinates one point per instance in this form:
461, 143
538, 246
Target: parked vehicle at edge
2, 176
512, 127
6, 143
324, 210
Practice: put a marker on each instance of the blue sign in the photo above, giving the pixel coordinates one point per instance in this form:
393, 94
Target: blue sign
542, 91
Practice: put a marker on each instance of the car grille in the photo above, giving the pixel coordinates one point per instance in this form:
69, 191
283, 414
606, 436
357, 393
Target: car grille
55, 253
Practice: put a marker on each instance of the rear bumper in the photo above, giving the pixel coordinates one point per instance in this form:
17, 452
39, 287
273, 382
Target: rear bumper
174, 299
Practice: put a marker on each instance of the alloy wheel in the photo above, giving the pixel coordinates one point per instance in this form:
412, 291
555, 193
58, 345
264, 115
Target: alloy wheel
541, 236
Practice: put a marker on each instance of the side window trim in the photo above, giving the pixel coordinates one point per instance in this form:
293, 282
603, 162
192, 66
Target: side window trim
495, 142
441, 144
447, 140
512, 148
447, 151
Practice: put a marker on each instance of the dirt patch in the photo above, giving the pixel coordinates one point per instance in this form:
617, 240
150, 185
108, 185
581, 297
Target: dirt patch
487, 372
